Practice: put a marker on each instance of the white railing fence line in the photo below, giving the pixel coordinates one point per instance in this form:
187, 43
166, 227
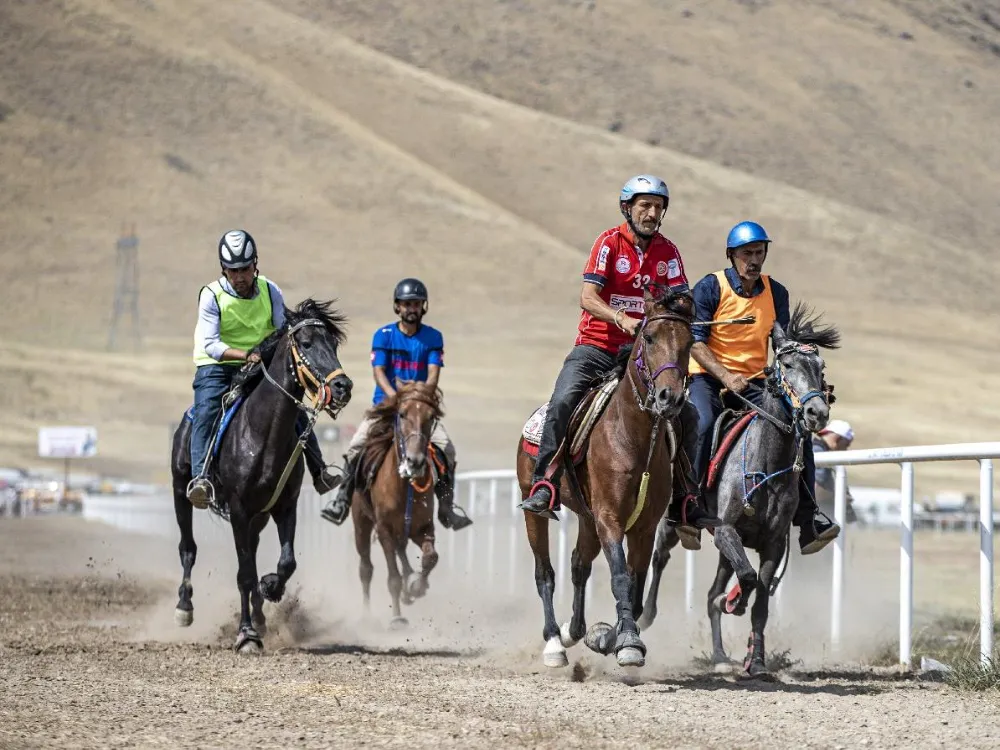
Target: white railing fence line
906, 457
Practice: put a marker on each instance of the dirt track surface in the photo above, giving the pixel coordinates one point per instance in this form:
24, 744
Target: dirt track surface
78, 668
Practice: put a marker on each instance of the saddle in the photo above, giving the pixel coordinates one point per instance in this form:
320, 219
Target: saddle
727, 429
581, 423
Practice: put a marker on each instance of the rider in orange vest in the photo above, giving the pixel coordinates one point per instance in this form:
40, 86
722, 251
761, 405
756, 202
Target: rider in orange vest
733, 357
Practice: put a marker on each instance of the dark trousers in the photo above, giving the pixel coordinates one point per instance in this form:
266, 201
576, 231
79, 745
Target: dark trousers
580, 368
211, 383
704, 393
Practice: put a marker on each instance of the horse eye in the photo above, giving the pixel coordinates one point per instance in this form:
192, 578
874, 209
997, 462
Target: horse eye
647, 338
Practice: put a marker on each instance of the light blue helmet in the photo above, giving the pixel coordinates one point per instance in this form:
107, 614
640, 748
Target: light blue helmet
744, 233
645, 184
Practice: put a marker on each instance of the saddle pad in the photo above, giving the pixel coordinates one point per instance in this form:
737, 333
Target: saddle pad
725, 444
532, 432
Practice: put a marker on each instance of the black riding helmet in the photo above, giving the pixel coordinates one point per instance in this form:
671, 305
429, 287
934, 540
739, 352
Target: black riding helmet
409, 289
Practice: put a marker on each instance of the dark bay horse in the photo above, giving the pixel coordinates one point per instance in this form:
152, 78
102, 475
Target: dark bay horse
758, 487
625, 480
398, 503
260, 450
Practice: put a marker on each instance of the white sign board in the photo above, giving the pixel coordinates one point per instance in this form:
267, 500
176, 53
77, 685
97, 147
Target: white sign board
67, 442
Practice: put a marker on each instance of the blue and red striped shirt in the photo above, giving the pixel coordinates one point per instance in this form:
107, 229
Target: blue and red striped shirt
405, 357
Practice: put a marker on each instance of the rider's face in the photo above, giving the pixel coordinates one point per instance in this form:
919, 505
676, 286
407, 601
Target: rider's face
410, 310
241, 279
646, 212
749, 260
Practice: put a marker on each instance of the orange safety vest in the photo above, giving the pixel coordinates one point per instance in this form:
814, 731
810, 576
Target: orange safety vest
741, 349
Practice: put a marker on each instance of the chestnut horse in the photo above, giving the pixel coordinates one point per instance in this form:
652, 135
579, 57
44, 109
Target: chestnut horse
396, 491
625, 478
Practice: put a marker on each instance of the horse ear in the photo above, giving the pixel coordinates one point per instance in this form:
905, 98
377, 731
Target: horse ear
778, 337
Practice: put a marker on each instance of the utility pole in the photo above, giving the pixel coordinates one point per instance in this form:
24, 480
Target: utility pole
126, 287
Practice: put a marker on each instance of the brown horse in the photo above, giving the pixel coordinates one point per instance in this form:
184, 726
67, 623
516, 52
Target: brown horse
624, 477
396, 491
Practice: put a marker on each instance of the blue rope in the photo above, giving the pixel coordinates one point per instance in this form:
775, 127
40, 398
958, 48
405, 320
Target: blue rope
748, 494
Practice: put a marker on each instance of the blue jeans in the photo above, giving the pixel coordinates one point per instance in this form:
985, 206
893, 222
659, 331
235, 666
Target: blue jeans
211, 382
704, 393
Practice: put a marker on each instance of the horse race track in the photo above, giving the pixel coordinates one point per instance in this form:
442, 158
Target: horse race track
89, 657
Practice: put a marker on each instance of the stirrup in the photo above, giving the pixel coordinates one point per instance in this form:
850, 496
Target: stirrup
554, 505
209, 494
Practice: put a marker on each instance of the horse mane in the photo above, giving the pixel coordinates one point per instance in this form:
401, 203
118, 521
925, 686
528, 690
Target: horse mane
678, 301
308, 309
806, 327
382, 431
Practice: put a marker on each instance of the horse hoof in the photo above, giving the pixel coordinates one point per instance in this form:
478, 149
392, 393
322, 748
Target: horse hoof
271, 588
184, 617
731, 602
567, 640
726, 666
631, 657
600, 638
248, 642
398, 623
554, 654
417, 586
758, 671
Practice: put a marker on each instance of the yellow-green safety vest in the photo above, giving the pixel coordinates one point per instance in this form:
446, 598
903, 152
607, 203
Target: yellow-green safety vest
243, 323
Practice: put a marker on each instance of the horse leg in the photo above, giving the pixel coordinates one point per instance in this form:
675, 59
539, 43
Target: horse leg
554, 654
588, 546
272, 586
363, 542
727, 539
623, 639
184, 612
666, 540
755, 663
406, 571
256, 600
419, 585
716, 601
248, 639
390, 546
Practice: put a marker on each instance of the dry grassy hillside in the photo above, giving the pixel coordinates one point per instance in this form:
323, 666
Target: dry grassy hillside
353, 169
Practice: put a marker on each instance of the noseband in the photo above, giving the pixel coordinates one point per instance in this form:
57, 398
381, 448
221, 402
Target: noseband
647, 378
787, 392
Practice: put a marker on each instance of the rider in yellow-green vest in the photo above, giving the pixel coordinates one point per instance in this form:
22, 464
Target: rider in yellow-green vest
236, 312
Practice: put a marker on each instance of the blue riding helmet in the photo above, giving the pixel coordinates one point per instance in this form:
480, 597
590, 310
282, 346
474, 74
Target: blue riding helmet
744, 233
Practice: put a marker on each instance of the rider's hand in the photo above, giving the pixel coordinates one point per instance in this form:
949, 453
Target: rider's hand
631, 325
253, 358
735, 383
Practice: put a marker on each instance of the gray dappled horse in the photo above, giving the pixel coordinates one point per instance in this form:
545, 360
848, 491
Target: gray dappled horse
757, 490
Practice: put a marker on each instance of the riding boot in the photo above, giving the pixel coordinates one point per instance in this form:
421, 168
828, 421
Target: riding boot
323, 480
337, 510
450, 516
816, 529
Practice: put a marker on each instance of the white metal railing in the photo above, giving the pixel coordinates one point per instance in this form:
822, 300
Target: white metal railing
906, 457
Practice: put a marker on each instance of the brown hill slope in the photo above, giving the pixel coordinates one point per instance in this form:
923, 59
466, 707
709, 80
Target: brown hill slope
354, 169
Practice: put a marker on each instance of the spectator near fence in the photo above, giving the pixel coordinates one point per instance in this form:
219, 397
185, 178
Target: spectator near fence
836, 436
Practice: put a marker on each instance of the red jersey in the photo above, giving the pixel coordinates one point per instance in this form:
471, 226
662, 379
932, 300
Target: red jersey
622, 271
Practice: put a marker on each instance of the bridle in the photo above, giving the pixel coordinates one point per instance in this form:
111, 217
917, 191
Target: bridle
645, 376
403, 439
315, 387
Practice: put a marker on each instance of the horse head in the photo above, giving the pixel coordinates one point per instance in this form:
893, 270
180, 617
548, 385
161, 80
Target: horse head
663, 345
797, 372
418, 408
309, 341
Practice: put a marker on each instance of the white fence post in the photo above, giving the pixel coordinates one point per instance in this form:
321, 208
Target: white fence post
985, 561
837, 590
906, 565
